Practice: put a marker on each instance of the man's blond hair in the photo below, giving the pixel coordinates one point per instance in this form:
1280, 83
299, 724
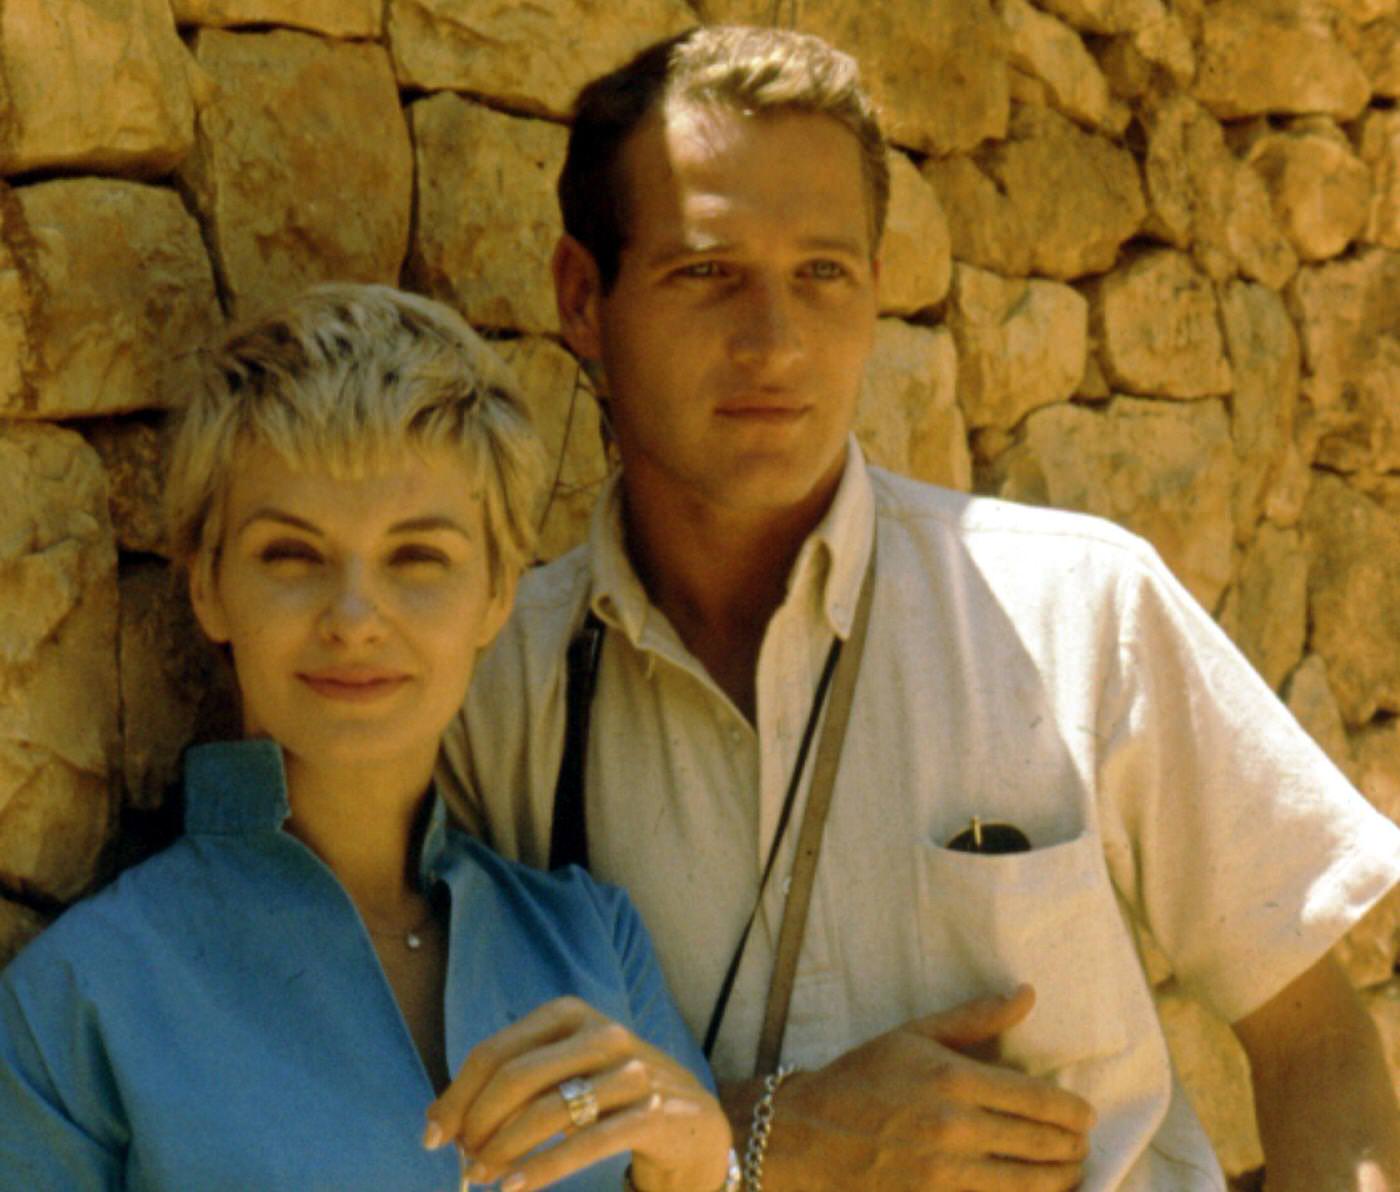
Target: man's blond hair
344, 378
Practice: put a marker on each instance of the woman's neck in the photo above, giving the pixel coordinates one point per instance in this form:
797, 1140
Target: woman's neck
361, 821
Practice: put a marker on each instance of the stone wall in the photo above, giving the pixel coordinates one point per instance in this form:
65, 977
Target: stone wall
1143, 260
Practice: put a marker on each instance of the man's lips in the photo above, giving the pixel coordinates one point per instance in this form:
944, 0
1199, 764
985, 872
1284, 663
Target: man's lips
759, 410
354, 686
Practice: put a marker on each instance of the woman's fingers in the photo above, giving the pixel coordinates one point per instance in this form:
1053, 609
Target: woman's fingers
546, 1116
506, 1112
535, 1076
543, 1026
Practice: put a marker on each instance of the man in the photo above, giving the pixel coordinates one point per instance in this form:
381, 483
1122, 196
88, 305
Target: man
1030, 679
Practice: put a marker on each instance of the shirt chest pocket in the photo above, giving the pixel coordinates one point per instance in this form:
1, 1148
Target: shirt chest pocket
1045, 917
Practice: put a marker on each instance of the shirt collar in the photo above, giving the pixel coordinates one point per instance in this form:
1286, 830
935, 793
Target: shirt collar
831, 563
239, 788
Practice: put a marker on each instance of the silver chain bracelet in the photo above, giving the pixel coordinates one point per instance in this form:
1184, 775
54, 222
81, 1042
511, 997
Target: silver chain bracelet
761, 1127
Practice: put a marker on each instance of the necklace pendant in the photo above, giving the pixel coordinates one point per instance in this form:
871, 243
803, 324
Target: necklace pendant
413, 940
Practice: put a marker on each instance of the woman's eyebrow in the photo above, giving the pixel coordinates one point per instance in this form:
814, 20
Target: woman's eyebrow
417, 525
268, 513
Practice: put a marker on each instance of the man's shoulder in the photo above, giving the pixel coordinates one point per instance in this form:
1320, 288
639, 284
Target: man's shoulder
548, 605
982, 523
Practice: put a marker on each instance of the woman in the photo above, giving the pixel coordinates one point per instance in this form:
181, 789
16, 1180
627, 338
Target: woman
275, 1001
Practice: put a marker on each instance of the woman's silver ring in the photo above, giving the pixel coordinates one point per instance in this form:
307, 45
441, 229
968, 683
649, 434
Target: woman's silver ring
580, 1100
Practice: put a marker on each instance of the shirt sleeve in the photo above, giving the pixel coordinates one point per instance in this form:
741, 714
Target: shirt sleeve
1243, 848
654, 1014
45, 1145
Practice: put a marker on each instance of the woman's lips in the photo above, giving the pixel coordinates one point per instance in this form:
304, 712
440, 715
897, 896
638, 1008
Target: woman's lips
355, 689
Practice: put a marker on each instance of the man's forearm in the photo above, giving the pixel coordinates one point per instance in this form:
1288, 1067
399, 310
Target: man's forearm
1329, 1121
1327, 1111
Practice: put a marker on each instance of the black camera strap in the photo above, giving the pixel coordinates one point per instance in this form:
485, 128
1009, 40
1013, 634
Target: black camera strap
569, 831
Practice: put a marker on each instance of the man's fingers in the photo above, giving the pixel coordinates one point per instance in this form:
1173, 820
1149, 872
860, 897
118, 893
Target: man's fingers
1012, 1094
978, 1020
1006, 1175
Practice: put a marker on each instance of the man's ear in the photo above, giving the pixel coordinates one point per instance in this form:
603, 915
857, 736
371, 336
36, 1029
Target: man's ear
578, 291
205, 599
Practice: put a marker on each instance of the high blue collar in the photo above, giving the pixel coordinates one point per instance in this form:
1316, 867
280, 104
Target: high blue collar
239, 788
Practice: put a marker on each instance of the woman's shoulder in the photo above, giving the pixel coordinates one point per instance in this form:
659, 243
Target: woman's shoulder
109, 930
568, 895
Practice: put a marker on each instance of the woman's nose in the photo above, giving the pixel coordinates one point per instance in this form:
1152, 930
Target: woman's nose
352, 613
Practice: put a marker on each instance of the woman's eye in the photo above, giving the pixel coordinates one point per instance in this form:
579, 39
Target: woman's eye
825, 270
278, 552
411, 555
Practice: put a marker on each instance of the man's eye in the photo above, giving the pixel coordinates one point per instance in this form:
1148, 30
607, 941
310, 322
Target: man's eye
289, 551
702, 269
825, 270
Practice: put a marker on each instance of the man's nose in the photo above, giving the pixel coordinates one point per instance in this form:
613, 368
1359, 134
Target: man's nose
769, 331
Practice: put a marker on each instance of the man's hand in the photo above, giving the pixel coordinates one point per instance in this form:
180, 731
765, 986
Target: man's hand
914, 1109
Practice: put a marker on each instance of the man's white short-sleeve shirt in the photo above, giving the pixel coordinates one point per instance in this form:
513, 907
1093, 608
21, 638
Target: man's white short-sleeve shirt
1023, 665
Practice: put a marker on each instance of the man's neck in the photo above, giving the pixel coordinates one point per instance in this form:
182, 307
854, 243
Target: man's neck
718, 575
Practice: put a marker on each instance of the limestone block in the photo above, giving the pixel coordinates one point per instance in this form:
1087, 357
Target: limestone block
1167, 42
1265, 361
937, 71
115, 294
1321, 190
907, 417
1129, 74
1377, 48
1363, 11
338, 18
1380, 151
1256, 59
1215, 1073
486, 220
1349, 323
1384, 1006
18, 925
915, 260
1271, 603
1376, 748
1157, 321
1310, 699
175, 687
1204, 199
94, 85
58, 680
303, 131
1021, 344
532, 57
1077, 195
985, 227
132, 451
1106, 16
1353, 574
1054, 53
1371, 949
1163, 469
565, 414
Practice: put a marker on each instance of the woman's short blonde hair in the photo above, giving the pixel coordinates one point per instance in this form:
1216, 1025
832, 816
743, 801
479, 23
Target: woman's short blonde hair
343, 378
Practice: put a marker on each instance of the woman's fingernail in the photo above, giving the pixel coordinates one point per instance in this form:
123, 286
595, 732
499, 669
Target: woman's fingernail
514, 1182
477, 1173
432, 1137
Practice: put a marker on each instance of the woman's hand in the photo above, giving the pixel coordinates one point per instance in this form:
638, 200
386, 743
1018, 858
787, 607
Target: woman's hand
505, 1102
